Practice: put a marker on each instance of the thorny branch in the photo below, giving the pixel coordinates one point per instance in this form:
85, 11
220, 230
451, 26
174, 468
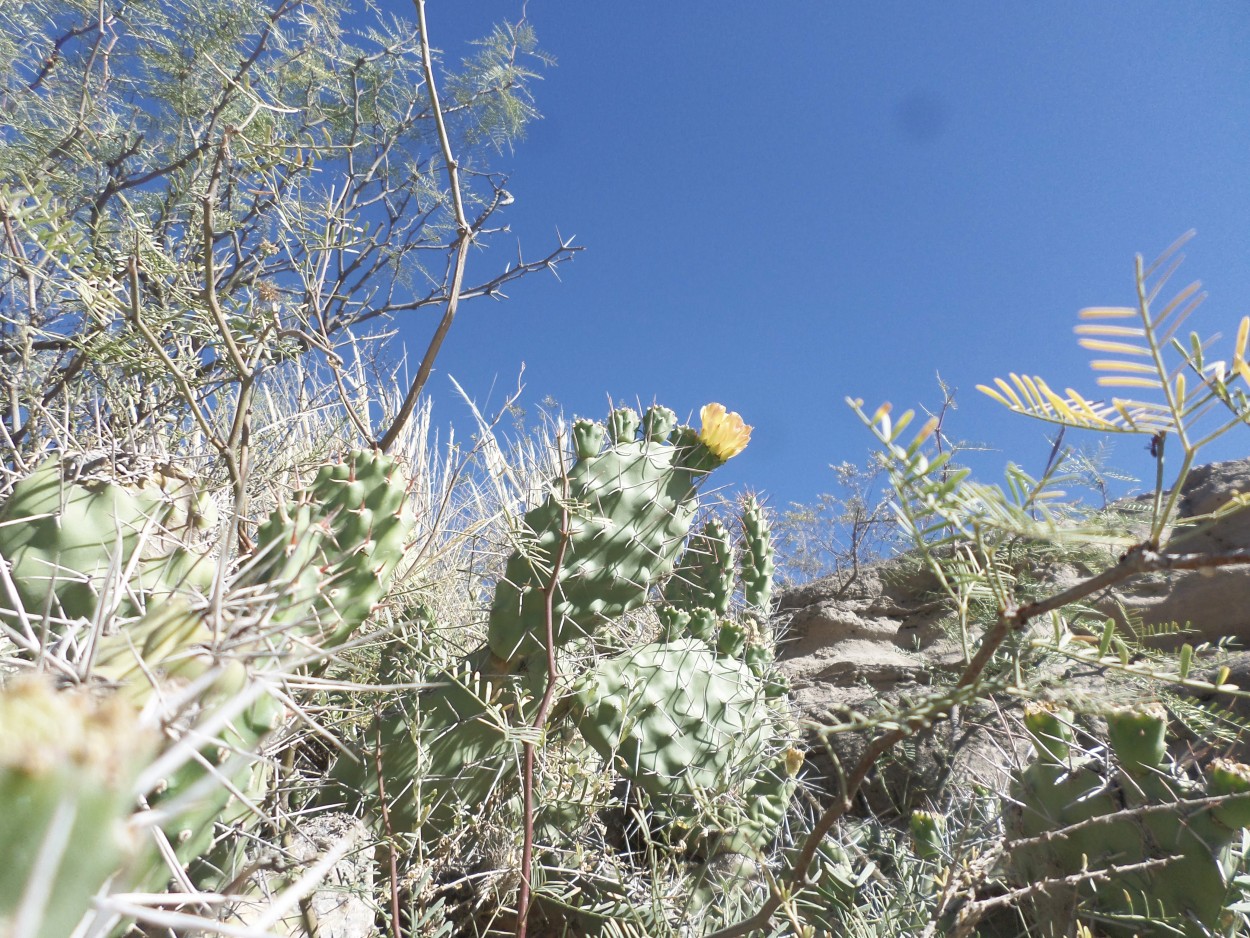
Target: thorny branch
464, 238
320, 224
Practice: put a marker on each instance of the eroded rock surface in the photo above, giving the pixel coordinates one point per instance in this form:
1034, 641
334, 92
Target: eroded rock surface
848, 644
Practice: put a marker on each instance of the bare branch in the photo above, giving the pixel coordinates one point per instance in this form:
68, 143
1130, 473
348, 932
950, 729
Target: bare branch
463, 240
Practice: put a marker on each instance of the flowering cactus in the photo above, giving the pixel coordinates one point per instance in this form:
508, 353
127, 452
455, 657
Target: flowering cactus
629, 510
630, 498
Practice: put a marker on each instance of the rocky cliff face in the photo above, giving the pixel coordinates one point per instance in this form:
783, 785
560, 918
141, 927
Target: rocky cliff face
850, 643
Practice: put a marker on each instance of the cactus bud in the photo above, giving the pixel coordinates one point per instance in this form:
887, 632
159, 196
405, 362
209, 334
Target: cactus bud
1137, 737
587, 438
658, 423
1051, 731
1231, 780
926, 835
622, 425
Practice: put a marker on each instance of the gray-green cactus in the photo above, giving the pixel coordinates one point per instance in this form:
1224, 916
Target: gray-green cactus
757, 557
698, 596
629, 509
693, 729
705, 575
327, 559
321, 564
1144, 810
333, 552
63, 535
68, 761
688, 719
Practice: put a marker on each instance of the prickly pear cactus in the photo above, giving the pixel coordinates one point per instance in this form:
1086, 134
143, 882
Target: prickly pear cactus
1135, 814
691, 727
629, 508
324, 561
705, 576
692, 719
63, 533
67, 765
334, 551
630, 505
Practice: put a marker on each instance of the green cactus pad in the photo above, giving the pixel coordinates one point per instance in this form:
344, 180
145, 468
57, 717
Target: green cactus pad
334, 551
658, 424
1137, 735
682, 722
705, 575
63, 536
1231, 781
1050, 729
588, 438
629, 510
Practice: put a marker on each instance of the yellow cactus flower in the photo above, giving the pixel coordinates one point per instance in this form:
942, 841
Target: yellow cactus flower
794, 761
724, 433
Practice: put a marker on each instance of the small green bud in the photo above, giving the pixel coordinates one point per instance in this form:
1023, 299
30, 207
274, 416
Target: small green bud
1137, 736
623, 425
1230, 779
926, 835
1051, 731
658, 423
587, 438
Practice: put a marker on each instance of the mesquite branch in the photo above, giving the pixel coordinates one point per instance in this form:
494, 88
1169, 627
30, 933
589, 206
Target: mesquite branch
464, 238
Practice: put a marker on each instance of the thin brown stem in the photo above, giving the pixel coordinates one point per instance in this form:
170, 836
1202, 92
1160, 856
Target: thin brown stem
544, 707
210, 290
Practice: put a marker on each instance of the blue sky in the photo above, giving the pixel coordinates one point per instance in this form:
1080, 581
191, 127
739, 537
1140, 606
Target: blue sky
785, 204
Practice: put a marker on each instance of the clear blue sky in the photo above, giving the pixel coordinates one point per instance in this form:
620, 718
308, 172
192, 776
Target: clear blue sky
784, 204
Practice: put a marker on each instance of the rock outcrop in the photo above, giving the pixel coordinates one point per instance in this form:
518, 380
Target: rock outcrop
849, 644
